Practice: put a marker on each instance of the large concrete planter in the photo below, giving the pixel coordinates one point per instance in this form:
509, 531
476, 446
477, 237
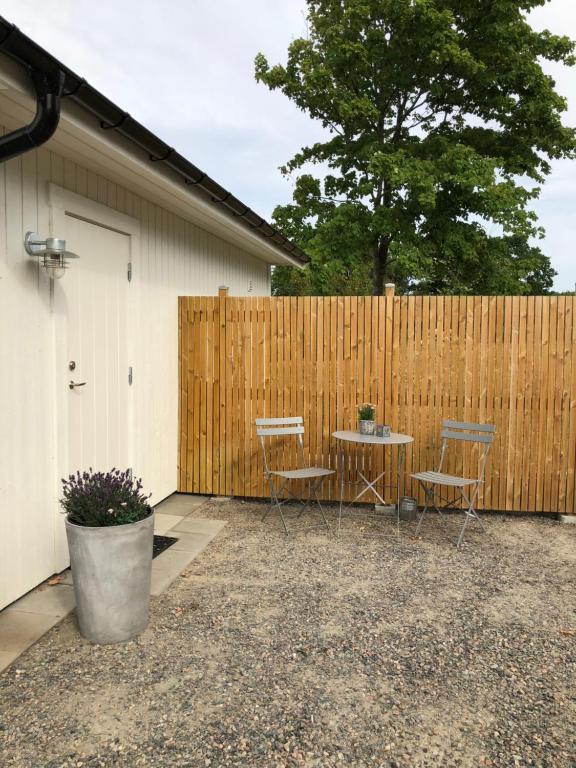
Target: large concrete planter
111, 570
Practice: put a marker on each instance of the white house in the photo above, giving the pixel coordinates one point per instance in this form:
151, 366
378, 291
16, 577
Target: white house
88, 362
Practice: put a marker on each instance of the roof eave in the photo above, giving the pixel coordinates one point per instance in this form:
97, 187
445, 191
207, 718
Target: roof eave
113, 124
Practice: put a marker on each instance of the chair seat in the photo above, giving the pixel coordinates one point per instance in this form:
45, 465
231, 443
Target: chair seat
440, 478
305, 473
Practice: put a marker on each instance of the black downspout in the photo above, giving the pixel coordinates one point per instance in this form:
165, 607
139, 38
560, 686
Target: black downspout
48, 87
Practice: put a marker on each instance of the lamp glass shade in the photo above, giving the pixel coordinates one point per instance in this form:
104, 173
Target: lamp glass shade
55, 265
55, 272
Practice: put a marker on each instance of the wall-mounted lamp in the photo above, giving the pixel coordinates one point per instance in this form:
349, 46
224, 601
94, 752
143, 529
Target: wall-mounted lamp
53, 252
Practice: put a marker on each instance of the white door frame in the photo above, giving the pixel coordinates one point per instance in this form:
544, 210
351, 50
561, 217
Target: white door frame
63, 204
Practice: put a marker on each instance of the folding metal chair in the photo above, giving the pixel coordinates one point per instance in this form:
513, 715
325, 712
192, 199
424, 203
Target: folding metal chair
468, 487
314, 476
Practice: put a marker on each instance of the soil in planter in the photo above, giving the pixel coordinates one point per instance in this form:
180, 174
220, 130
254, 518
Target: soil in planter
161, 543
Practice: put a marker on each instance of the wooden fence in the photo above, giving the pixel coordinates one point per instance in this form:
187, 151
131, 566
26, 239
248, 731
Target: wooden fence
503, 360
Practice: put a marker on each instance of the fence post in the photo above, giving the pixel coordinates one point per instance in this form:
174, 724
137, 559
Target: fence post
389, 411
219, 484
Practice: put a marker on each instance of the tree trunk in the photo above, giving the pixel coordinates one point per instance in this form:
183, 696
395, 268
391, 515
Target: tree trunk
379, 265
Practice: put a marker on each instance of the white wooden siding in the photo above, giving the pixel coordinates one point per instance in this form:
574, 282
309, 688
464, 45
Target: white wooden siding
175, 258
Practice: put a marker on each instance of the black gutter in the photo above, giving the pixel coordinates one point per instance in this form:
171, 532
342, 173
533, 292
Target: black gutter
48, 87
36, 60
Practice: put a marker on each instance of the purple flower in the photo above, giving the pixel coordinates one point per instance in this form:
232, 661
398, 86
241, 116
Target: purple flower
104, 498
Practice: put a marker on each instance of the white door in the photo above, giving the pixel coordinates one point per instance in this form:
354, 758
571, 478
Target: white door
96, 380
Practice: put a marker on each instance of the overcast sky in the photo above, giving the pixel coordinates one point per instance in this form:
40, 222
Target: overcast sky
185, 69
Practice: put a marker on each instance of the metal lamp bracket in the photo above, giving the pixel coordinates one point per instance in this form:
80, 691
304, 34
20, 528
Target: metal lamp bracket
34, 244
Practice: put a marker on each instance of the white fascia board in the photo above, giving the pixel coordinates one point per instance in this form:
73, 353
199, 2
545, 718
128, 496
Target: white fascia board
80, 138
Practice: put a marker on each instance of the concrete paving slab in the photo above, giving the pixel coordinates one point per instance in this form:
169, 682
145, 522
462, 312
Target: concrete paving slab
18, 629
160, 581
7, 657
171, 560
169, 565
51, 601
200, 525
164, 572
163, 523
181, 504
191, 542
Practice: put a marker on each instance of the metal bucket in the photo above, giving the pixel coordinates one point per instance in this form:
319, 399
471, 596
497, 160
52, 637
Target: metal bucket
408, 508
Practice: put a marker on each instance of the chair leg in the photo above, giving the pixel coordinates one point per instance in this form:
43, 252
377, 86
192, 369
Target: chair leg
274, 502
279, 506
272, 499
315, 491
283, 520
429, 495
308, 500
311, 492
421, 518
469, 513
466, 518
441, 515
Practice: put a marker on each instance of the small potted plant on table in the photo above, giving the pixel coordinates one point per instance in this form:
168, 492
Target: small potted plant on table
110, 530
366, 419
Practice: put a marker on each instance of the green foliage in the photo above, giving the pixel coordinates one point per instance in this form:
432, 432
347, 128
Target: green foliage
366, 412
104, 498
441, 126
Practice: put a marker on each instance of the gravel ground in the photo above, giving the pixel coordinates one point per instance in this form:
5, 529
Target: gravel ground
321, 651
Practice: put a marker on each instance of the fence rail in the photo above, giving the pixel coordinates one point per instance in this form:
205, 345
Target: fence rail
503, 360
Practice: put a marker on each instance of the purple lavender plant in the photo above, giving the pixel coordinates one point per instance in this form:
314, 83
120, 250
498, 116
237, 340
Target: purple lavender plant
104, 498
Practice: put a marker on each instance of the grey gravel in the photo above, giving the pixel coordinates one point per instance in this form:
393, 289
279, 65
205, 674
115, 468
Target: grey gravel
317, 650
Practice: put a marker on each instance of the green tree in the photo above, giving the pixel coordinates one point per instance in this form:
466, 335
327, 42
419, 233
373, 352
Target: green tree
441, 125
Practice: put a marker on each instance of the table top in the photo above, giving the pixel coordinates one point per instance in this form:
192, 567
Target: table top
396, 438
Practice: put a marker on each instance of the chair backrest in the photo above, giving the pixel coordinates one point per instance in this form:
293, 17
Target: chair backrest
289, 425
468, 432
281, 427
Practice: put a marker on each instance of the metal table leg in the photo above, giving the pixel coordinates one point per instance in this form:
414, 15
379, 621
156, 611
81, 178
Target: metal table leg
399, 468
368, 484
341, 462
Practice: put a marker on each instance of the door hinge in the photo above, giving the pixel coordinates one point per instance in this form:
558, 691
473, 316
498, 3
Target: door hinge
129, 272
130, 375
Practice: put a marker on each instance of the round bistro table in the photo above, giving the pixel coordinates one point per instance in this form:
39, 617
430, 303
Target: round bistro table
395, 438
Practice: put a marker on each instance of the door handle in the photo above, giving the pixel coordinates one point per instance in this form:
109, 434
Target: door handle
73, 384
